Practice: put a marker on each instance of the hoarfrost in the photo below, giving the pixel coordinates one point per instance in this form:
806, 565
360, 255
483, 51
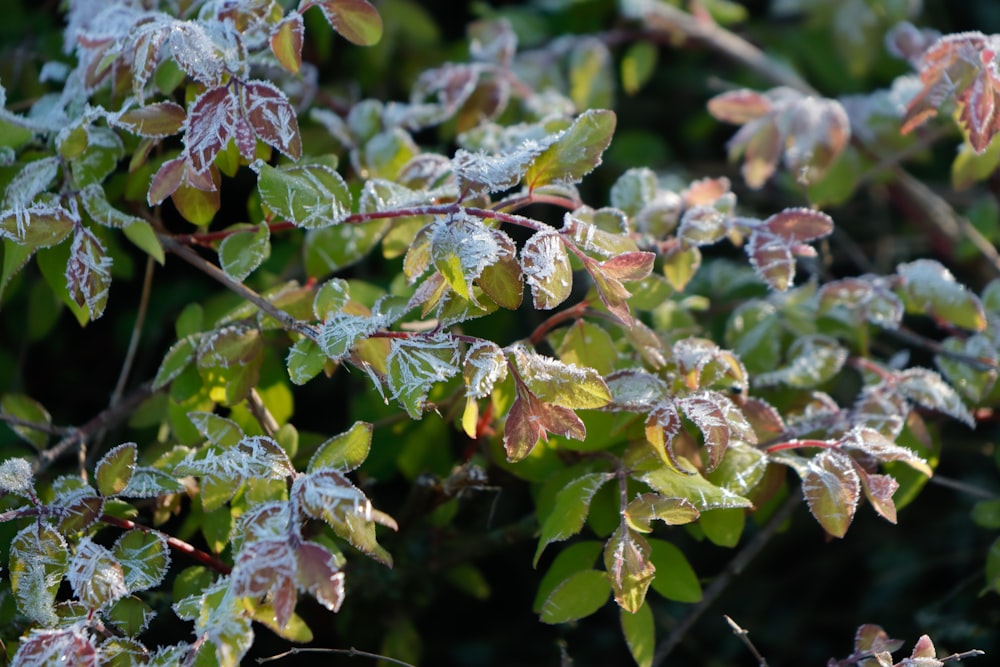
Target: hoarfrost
546, 268
33, 179
16, 476
474, 244
635, 390
96, 577
485, 365
481, 173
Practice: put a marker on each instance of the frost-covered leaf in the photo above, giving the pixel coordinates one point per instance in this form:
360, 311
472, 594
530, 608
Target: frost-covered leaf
144, 558
546, 268
319, 575
567, 516
868, 296
928, 389
230, 347
177, 358
672, 483
286, 42
719, 421
356, 20
649, 506
414, 364
578, 596
878, 490
147, 482
343, 452
155, 121
94, 202
704, 365
38, 562
79, 513
461, 248
931, 288
31, 180
635, 390
603, 232
217, 430
309, 195
973, 381
305, 361
480, 173
832, 488
754, 331
115, 468
96, 576
576, 152
36, 226
268, 567
559, 383
342, 331
627, 561
215, 118
633, 190
811, 361
242, 251
881, 408
530, 419
99, 159
485, 365
741, 470
88, 272
72, 646
271, 117
877, 446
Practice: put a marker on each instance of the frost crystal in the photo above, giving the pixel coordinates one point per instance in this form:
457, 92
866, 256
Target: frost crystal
466, 238
33, 179
485, 365
546, 268
15, 476
480, 173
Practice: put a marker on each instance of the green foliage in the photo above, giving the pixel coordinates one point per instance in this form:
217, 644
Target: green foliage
374, 216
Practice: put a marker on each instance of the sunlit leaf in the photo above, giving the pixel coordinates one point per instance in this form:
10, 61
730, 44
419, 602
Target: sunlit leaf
96, 576
676, 579
242, 251
309, 195
343, 452
578, 596
832, 488
115, 468
576, 152
356, 20
567, 516
559, 383
546, 268
144, 558
627, 561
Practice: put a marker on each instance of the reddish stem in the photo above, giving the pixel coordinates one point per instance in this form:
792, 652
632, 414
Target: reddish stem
175, 543
800, 444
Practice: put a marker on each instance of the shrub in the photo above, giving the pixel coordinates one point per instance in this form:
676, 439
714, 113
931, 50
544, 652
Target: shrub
465, 315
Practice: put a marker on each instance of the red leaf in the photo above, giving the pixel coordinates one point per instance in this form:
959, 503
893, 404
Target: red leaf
879, 490
272, 119
705, 191
319, 576
629, 266
832, 489
739, 106
530, 418
704, 410
72, 647
772, 258
166, 180
800, 224
215, 119
268, 566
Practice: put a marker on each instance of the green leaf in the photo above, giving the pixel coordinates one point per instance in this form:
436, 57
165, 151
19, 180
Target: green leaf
680, 265
638, 65
576, 152
931, 288
131, 616
99, 159
971, 166
640, 634
675, 579
331, 249
141, 234
591, 82
98, 208
578, 596
15, 256
311, 196
38, 562
723, 527
546, 268
114, 470
415, 364
27, 409
343, 452
177, 358
217, 429
37, 226
928, 389
356, 20
570, 511
741, 470
810, 361
626, 559
241, 252
386, 153
153, 120
305, 361
95, 575
672, 511
587, 344
144, 558
565, 385
574, 558
674, 484
974, 382
754, 332
197, 206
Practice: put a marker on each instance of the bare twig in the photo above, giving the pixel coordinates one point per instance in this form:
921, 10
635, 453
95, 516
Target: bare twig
963, 487
744, 636
35, 426
350, 652
721, 582
133, 343
912, 337
260, 412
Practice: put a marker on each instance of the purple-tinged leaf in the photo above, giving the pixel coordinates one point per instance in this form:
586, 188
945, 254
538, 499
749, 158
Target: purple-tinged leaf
576, 152
874, 444
357, 21
878, 490
613, 294
832, 488
739, 107
870, 638
272, 119
88, 272
155, 121
96, 577
318, 575
662, 425
567, 516
72, 647
629, 266
627, 561
529, 419
771, 256
649, 506
799, 224
268, 567
166, 180
79, 514
546, 269
215, 118
578, 596
286, 42
114, 470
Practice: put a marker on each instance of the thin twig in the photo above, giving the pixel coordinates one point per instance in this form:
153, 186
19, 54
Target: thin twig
51, 429
75, 438
963, 487
745, 638
260, 412
912, 337
721, 582
350, 652
133, 343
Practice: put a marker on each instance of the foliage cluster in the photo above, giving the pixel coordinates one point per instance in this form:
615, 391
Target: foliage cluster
650, 357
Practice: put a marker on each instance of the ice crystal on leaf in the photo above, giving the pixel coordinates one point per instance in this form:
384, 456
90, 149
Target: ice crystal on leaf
414, 364
832, 489
16, 476
546, 268
33, 179
88, 272
461, 248
480, 173
342, 331
485, 365
71, 645
96, 576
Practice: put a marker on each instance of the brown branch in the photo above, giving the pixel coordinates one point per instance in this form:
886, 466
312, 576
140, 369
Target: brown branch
721, 582
745, 638
35, 426
260, 412
350, 652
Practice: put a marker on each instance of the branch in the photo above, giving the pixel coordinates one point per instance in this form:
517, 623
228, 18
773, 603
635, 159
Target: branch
745, 638
721, 582
350, 652
35, 426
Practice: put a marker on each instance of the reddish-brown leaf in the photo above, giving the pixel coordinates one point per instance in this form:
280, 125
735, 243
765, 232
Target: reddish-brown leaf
800, 224
272, 119
154, 120
629, 266
739, 106
215, 118
166, 180
318, 575
832, 489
